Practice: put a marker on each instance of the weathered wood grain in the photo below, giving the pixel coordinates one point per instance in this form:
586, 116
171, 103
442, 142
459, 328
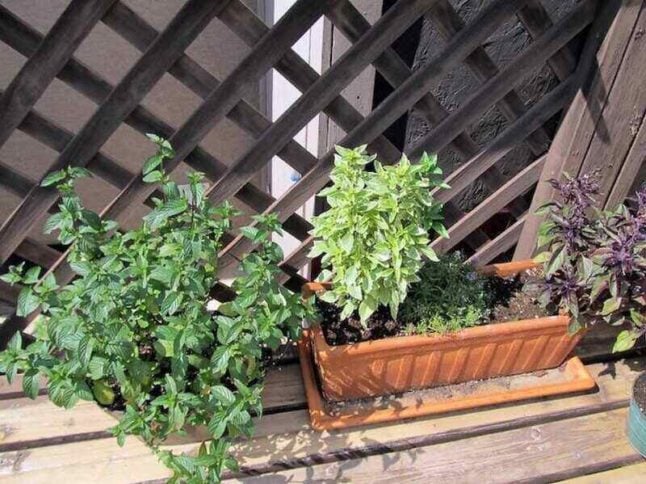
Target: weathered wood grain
25, 39
390, 26
486, 209
597, 70
547, 107
503, 242
37, 252
26, 423
59, 44
125, 97
14, 182
629, 173
284, 440
301, 75
8, 294
353, 25
623, 114
123, 20
288, 30
597, 438
630, 474
536, 21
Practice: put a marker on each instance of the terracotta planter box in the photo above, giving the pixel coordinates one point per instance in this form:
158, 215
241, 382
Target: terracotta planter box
399, 364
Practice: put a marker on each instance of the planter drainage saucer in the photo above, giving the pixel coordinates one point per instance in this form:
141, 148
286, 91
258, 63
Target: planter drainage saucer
571, 377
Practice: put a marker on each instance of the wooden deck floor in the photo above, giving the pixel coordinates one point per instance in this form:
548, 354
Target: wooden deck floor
578, 437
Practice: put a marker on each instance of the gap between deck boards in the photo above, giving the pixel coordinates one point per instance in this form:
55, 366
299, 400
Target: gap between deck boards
285, 438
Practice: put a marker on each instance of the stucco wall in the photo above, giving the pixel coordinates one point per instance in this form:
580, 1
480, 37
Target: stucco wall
502, 46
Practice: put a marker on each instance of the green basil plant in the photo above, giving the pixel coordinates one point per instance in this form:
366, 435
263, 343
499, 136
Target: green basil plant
375, 234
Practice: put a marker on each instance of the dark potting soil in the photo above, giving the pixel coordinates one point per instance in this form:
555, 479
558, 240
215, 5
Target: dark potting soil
509, 303
639, 393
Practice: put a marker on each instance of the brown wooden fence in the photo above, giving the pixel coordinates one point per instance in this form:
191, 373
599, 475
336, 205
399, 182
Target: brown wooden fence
52, 56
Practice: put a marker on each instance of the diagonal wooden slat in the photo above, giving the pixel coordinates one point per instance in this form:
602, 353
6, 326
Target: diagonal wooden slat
37, 252
623, 114
8, 294
504, 241
13, 181
635, 160
295, 260
415, 87
349, 21
293, 25
499, 86
301, 75
598, 68
219, 103
390, 26
449, 23
25, 40
136, 30
411, 89
45, 131
353, 25
56, 137
170, 44
495, 202
469, 171
547, 107
61, 41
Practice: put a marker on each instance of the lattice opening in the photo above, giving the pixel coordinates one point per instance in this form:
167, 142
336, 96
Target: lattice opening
210, 107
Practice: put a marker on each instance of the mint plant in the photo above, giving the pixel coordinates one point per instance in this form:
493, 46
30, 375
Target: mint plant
375, 234
133, 331
594, 261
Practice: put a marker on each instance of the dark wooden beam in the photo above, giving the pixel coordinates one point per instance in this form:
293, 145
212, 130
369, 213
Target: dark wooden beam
301, 75
170, 44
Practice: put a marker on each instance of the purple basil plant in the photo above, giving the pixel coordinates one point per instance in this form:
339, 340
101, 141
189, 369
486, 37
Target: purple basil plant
594, 261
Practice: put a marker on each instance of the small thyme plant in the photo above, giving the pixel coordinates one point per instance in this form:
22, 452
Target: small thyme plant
449, 296
376, 232
133, 331
594, 261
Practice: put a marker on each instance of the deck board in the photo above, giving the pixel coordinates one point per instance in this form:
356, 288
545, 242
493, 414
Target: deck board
286, 448
631, 474
538, 452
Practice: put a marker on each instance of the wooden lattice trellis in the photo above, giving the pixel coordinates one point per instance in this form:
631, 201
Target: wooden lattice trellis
52, 56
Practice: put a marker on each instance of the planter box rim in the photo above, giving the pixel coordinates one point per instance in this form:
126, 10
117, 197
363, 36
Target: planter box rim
493, 329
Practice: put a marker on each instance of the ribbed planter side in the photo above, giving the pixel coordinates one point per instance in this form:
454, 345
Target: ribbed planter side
395, 365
